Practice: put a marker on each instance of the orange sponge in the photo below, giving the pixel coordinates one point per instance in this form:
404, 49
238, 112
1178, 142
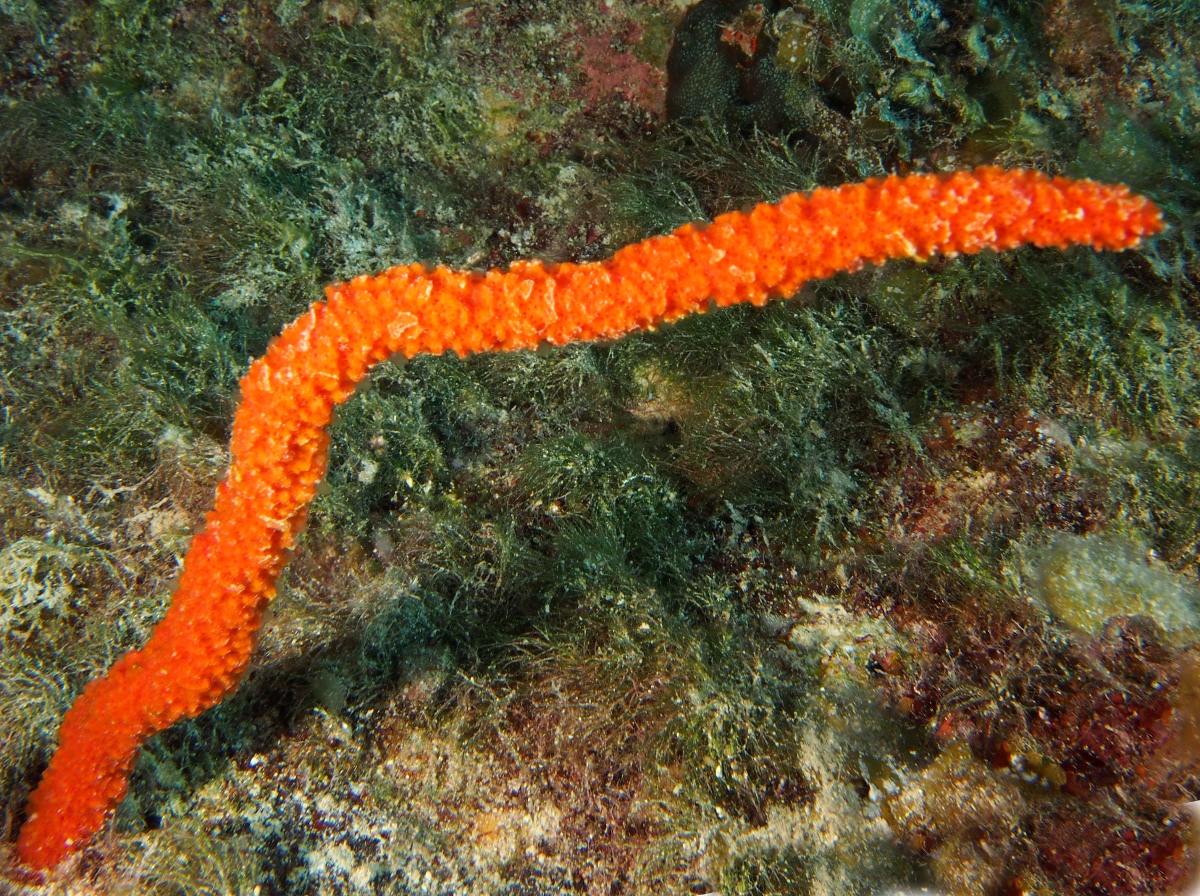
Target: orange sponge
202, 647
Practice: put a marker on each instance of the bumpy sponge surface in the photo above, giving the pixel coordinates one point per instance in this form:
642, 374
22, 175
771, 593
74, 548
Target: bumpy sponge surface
202, 647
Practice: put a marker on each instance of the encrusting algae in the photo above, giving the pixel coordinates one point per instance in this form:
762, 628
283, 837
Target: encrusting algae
199, 652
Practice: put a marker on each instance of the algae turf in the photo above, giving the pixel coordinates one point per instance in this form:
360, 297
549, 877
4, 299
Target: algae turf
889, 585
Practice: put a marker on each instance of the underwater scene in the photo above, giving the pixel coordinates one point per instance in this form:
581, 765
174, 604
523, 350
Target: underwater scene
566, 541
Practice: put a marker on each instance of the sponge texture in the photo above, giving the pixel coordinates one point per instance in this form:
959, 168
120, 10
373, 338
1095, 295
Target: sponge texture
202, 647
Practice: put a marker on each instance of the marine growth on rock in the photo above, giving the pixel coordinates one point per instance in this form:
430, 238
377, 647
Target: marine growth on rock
201, 649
